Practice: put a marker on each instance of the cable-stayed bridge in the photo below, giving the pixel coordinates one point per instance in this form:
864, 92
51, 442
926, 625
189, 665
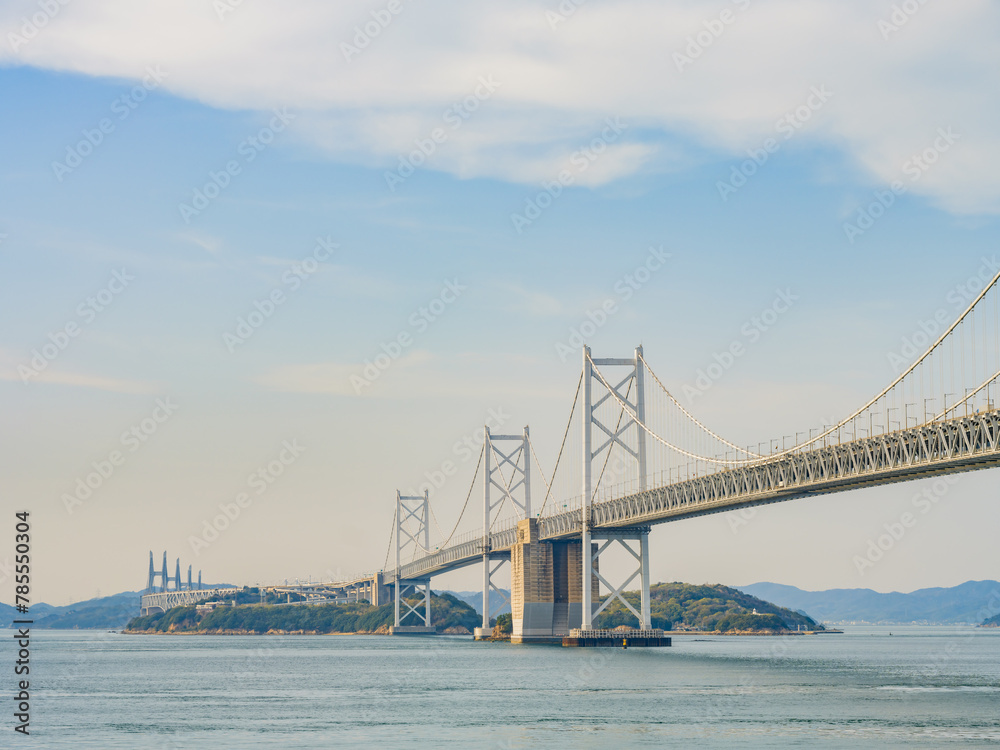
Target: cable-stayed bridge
633, 456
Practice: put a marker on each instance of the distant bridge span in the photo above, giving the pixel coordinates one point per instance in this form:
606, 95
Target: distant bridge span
161, 601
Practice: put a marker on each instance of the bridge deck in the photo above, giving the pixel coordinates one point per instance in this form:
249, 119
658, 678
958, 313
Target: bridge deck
956, 445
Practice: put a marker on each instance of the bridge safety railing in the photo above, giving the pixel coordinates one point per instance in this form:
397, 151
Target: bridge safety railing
973, 440
346, 580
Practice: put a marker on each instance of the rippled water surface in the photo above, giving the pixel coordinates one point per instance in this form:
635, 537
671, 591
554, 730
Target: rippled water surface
918, 687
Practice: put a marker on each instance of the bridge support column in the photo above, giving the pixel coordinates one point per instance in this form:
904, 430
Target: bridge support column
647, 620
491, 566
379, 591
413, 611
625, 538
546, 586
486, 590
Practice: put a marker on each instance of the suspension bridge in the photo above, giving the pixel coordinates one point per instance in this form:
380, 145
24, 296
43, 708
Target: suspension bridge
633, 456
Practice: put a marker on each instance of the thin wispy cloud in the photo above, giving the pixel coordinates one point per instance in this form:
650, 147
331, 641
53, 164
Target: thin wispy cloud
529, 301
559, 81
52, 377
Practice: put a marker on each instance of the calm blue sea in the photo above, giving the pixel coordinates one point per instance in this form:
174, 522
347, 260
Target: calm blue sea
918, 687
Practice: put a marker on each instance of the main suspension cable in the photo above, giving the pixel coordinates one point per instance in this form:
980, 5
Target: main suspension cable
690, 416
667, 443
392, 533
569, 423
460, 515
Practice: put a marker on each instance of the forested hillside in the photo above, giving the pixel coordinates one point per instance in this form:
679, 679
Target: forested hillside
446, 612
683, 606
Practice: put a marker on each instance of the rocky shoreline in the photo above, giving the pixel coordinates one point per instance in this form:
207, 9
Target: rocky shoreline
381, 630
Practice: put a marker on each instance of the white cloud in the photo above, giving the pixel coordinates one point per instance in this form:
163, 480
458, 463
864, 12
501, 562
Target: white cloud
82, 380
210, 244
557, 85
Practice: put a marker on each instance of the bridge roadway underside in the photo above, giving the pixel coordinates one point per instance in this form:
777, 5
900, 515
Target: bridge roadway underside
948, 447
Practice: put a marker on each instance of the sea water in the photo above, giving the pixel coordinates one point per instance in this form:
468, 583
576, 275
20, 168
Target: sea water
872, 686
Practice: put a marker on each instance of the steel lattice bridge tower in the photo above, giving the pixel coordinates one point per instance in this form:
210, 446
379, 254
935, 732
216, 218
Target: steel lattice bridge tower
632, 456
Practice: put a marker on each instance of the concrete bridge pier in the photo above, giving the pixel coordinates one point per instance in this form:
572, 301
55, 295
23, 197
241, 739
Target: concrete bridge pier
375, 590
547, 582
546, 586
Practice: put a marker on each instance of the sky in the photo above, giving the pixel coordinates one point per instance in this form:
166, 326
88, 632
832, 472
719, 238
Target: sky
280, 261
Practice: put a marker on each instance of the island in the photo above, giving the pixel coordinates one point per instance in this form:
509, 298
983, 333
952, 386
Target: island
449, 614
677, 607
708, 608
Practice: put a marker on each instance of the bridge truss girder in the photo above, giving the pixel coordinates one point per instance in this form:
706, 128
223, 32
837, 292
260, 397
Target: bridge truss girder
963, 444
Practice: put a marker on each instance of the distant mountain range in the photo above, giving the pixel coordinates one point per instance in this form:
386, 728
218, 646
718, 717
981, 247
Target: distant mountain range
475, 600
969, 602
104, 613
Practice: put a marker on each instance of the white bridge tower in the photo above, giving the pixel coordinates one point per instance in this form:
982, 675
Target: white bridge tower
415, 509
508, 472
633, 418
